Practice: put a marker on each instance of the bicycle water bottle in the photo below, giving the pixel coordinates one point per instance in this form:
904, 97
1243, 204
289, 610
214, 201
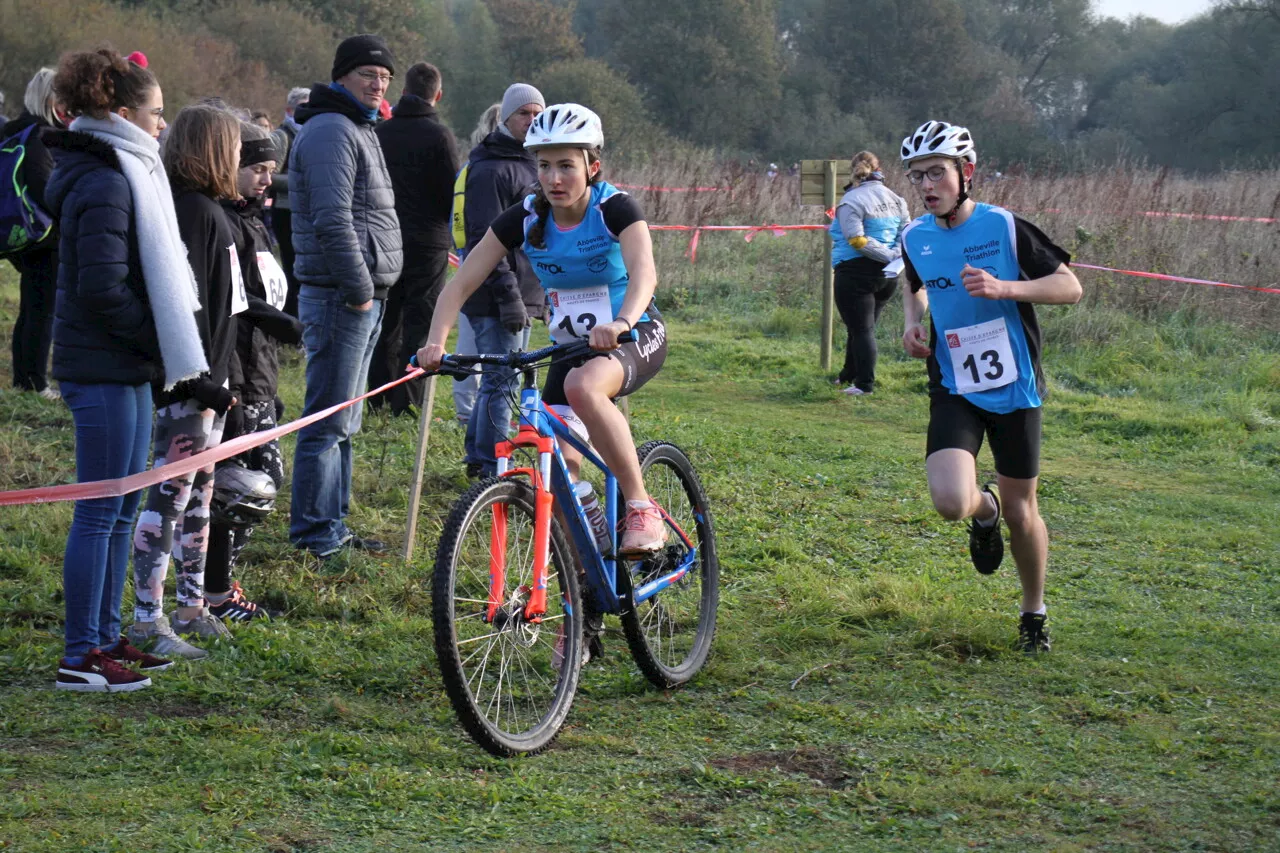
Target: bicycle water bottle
595, 515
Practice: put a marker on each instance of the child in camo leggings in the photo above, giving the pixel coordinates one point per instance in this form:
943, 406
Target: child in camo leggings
201, 157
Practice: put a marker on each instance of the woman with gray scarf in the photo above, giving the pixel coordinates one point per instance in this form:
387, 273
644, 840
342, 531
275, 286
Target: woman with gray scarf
125, 318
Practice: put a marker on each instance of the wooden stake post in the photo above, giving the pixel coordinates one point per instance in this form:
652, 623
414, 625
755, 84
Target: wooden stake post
818, 182
415, 494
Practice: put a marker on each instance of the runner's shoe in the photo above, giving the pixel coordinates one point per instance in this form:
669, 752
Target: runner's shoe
237, 608
986, 545
202, 625
158, 638
643, 532
124, 652
99, 674
1032, 636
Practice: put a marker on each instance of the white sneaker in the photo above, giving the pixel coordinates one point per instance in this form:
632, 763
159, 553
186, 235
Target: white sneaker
51, 393
853, 391
158, 637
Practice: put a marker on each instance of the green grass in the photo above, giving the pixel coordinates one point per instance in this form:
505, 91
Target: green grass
863, 693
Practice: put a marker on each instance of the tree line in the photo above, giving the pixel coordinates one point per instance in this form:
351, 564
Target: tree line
1041, 81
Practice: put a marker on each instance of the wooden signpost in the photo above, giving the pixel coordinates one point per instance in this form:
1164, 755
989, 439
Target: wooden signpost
818, 182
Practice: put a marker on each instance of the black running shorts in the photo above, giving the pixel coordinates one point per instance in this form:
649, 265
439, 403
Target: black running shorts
954, 422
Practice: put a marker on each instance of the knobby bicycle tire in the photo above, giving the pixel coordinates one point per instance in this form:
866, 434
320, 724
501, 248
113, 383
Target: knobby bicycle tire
511, 682
670, 634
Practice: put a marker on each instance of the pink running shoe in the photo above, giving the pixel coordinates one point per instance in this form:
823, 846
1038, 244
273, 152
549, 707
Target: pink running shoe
643, 532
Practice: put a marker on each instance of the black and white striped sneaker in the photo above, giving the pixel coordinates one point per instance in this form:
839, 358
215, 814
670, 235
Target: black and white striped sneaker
99, 674
237, 608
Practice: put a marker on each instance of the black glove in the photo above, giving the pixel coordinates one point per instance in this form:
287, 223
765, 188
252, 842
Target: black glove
211, 395
513, 317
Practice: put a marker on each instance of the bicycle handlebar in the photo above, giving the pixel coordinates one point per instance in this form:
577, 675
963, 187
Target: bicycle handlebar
456, 364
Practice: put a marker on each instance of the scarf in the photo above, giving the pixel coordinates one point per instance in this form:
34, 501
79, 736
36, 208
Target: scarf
166, 272
370, 114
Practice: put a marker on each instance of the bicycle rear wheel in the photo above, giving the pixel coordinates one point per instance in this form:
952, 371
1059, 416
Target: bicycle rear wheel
511, 680
670, 633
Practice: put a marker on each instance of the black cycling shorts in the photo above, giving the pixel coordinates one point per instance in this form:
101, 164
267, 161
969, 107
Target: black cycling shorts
641, 360
954, 422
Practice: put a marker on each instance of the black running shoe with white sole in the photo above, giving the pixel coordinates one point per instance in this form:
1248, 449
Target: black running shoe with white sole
1033, 639
986, 545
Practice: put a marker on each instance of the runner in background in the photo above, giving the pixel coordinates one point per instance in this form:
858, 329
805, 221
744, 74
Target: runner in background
978, 270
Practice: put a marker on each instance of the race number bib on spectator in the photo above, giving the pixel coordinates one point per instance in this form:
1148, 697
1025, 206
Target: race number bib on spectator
574, 313
981, 357
239, 299
273, 279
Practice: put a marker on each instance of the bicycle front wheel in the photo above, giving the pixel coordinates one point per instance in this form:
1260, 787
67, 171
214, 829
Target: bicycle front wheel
670, 633
511, 680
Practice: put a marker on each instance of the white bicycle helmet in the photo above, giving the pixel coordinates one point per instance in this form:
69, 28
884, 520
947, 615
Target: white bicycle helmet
939, 139
565, 125
241, 496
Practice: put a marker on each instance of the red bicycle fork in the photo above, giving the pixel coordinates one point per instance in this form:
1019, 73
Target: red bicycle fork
540, 478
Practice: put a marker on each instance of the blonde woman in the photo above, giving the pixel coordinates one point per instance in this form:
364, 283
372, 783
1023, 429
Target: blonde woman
864, 233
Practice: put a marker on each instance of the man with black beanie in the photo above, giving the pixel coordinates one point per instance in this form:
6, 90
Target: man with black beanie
346, 240
422, 158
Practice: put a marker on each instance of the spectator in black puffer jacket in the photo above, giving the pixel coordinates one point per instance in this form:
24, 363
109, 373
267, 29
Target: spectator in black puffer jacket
124, 318
422, 158
501, 173
38, 267
255, 373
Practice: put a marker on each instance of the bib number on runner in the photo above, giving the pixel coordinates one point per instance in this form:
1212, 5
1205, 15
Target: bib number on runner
239, 299
574, 313
981, 356
273, 280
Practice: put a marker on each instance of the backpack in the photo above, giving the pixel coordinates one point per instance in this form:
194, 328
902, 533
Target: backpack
457, 218
24, 223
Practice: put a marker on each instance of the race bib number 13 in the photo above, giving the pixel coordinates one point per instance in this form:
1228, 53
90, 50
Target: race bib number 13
981, 356
574, 313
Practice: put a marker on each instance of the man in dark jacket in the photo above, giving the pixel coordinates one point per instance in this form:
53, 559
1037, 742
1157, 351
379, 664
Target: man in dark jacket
422, 158
500, 175
346, 241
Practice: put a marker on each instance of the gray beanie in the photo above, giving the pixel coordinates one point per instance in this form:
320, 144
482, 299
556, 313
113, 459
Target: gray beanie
516, 96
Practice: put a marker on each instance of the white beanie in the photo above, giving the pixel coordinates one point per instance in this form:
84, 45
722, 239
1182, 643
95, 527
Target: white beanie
516, 96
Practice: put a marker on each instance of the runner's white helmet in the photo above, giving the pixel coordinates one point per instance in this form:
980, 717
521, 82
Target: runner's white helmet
565, 125
939, 139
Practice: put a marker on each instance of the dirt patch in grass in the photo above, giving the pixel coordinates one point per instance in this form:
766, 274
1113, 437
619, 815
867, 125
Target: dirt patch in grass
167, 710
824, 767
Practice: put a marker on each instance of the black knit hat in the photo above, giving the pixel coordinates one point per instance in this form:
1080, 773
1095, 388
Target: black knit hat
362, 50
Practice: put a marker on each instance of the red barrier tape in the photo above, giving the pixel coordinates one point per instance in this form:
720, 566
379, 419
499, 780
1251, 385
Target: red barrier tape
1213, 217
673, 189
1162, 277
779, 230
143, 479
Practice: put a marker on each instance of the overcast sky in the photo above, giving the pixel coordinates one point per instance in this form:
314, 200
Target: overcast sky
1169, 11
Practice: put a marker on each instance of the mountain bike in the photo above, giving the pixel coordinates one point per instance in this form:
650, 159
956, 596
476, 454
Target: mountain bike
508, 598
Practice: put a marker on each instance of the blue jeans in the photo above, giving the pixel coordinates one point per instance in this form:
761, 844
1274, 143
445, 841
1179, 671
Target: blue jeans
113, 438
339, 342
464, 390
491, 418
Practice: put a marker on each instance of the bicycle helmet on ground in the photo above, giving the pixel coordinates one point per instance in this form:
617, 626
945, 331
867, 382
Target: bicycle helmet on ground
939, 139
567, 125
241, 496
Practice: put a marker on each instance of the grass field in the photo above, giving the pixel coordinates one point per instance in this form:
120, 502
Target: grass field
863, 693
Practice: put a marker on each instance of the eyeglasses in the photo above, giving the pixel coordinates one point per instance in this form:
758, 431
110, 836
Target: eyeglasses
933, 173
371, 77
158, 112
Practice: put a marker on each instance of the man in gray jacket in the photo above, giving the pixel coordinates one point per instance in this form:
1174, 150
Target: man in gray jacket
346, 240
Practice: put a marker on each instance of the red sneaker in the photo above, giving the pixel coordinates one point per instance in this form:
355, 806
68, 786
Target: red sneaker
126, 653
99, 674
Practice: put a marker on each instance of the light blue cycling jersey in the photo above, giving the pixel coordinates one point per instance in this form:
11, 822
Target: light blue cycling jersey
982, 349
871, 214
581, 268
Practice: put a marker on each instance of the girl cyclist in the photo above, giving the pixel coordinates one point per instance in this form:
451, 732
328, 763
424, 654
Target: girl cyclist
593, 254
